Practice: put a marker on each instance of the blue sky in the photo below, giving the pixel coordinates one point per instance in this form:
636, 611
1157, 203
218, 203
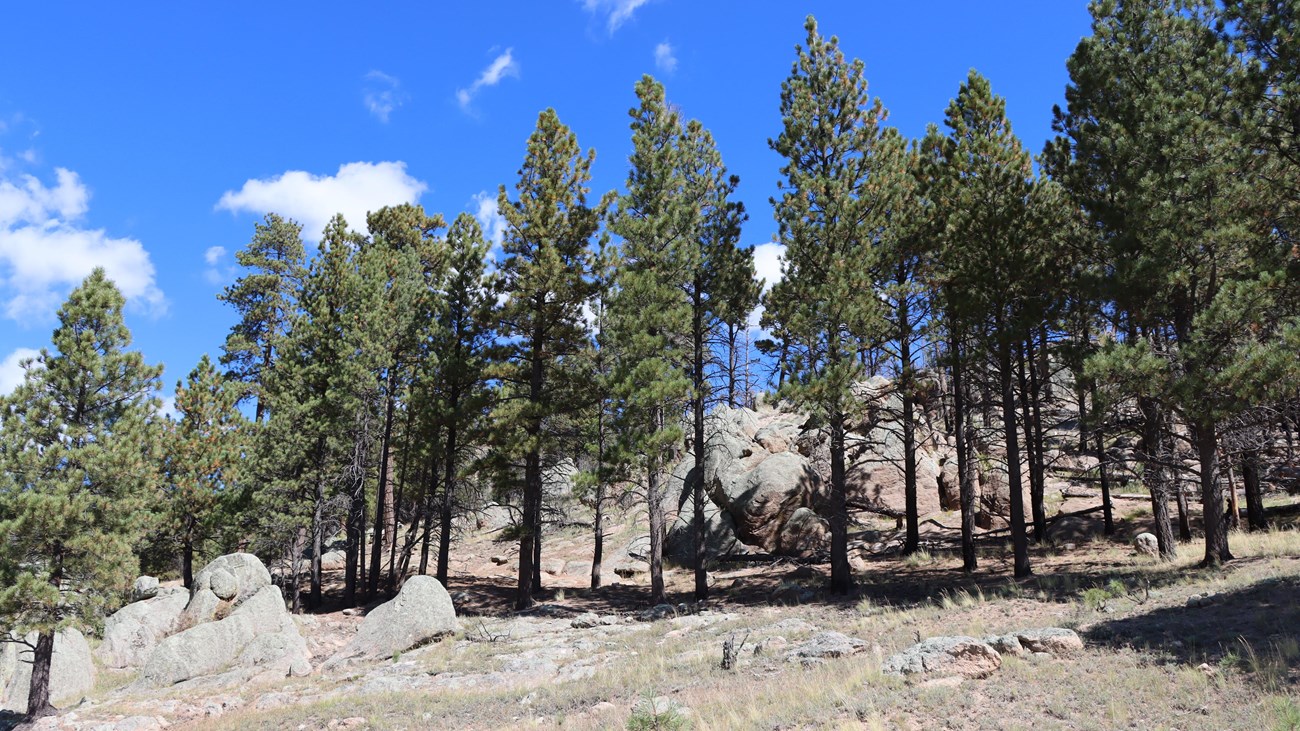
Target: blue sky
148, 137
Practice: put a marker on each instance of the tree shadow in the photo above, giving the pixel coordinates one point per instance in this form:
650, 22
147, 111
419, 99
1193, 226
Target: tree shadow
1254, 626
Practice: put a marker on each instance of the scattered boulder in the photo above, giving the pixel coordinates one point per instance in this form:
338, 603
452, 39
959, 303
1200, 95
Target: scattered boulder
132, 632
145, 587
232, 578
826, 645
591, 619
1197, 601
1147, 544
1052, 640
1006, 644
72, 670
258, 638
422, 611
945, 656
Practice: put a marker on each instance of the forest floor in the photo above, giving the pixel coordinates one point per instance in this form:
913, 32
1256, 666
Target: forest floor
1159, 653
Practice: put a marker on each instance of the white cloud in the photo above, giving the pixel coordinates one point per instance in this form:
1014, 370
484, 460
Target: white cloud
665, 59
214, 255
616, 12
44, 251
167, 407
383, 94
769, 267
312, 200
501, 67
11, 370
490, 219
218, 271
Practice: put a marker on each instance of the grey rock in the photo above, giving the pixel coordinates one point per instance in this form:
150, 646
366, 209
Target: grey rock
1053, 640
231, 578
223, 584
804, 534
72, 670
944, 657
422, 611
1147, 544
1006, 644
259, 635
145, 587
827, 645
132, 632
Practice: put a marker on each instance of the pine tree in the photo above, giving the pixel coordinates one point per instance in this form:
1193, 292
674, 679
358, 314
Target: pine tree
462, 344
78, 449
544, 277
649, 315
841, 180
1156, 148
721, 289
996, 261
264, 299
203, 454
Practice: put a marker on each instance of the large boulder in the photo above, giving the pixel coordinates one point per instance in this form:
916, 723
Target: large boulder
228, 580
145, 587
719, 534
943, 657
258, 638
761, 499
72, 670
1147, 544
804, 534
132, 632
422, 611
949, 485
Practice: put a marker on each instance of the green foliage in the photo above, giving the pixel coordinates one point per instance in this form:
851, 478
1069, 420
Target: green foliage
78, 446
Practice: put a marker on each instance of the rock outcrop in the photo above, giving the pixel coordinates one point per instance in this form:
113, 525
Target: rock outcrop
235, 626
132, 632
941, 657
72, 670
422, 611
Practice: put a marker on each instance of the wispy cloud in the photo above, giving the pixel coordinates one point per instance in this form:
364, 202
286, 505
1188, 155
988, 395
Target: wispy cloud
616, 12
501, 67
665, 58
383, 95
490, 220
769, 266
312, 200
218, 271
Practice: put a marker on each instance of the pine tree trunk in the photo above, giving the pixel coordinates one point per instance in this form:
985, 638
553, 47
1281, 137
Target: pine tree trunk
598, 531
1035, 490
1255, 519
911, 510
1184, 513
1153, 476
965, 470
317, 543
1107, 510
384, 495
38, 695
1216, 535
448, 496
187, 555
655, 506
1234, 510
697, 408
1019, 541
841, 572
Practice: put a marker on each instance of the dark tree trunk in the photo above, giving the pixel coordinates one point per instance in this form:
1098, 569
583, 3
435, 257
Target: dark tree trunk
1036, 509
1216, 534
697, 407
38, 695
187, 555
1255, 519
655, 506
1107, 510
1154, 477
598, 533
965, 468
317, 542
1184, 514
841, 572
530, 539
384, 496
1234, 510
1019, 541
912, 542
448, 497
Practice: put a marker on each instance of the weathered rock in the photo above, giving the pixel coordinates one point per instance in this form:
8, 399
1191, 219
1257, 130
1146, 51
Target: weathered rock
145, 587
791, 593
231, 578
132, 632
760, 499
777, 437
949, 484
804, 534
333, 560
422, 611
72, 670
825, 645
719, 533
1052, 640
1147, 544
945, 656
259, 636
1006, 644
